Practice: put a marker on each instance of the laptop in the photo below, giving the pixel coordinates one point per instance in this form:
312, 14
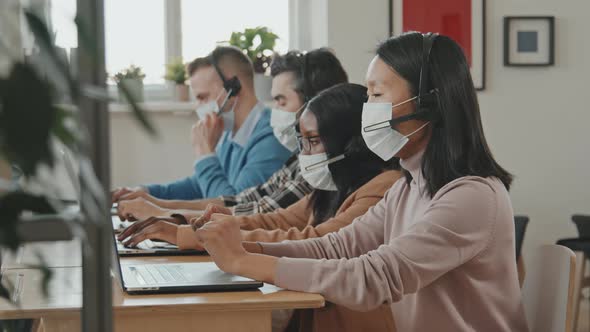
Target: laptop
145, 248
176, 277
73, 176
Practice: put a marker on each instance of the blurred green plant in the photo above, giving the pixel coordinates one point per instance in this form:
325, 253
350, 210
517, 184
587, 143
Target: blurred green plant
176, 72
258, 43
31, 121
132, 72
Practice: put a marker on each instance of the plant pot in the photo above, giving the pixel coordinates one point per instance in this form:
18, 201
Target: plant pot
135, 87
262, 86
181, 92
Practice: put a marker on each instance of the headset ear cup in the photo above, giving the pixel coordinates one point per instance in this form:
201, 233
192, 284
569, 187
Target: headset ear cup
233, 85
427, 108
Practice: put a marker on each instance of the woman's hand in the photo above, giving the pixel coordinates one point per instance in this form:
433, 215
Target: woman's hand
152, 228
208, 214
139, 209
223, 240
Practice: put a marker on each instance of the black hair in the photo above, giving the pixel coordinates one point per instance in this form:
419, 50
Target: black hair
458, 146
314, 71
338, 112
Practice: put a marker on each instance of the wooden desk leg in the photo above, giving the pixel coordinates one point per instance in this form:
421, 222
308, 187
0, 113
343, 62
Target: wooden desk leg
581, 271
60, 324
37, 326
152, 320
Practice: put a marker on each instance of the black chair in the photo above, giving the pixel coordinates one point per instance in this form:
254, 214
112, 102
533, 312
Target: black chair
520, 223
581, 243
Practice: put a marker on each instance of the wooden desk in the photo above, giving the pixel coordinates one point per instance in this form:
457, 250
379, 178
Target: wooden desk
225, 311
55, 254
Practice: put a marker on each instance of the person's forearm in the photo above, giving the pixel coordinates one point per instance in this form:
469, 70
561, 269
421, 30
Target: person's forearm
199, 204
256, 266
252, 247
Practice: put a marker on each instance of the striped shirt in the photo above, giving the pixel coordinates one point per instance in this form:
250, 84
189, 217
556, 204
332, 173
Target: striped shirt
285, 187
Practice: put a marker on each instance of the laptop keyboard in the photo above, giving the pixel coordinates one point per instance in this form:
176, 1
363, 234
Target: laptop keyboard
144, 245
154, 274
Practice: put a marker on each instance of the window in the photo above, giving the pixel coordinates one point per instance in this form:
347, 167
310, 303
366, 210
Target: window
134, 34
135, 31
62, 22
203, 26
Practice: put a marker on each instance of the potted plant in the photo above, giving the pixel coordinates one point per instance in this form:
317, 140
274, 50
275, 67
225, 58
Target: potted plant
176, 73
258, 43
132, 77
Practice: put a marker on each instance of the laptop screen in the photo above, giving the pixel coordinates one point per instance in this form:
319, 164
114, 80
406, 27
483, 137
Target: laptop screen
115, 262
73, 175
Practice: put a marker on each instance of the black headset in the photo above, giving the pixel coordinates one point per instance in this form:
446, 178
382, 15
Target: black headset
232, 85
304, 78
427, 99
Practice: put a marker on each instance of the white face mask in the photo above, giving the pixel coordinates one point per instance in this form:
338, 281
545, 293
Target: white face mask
380, 138
314, 169
283, 126
212, 107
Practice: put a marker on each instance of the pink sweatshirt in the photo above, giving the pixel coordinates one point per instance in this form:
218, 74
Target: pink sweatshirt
443, 264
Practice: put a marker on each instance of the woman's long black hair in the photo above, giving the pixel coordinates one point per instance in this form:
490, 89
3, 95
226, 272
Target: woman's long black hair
338, 112
458, 145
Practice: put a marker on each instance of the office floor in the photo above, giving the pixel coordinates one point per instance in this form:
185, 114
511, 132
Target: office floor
584, 319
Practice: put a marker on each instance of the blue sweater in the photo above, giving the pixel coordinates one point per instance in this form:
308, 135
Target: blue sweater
240, 162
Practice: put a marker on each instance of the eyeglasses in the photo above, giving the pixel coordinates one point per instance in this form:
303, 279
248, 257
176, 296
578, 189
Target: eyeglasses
305, 143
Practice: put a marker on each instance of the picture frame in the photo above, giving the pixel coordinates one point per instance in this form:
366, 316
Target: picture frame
464, 21
529, 41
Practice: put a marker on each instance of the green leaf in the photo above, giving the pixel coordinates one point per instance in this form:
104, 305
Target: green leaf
26, 118
59, 129
12, 205
4, 292
42, 35
139, 114
46, 273
176, 72
256, 43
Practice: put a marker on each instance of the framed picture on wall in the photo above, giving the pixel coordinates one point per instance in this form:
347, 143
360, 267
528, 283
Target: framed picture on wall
462, 20
529, 40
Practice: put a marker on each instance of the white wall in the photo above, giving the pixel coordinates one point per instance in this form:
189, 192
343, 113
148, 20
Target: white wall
537, 120
351, 28
137, 158
354, 36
